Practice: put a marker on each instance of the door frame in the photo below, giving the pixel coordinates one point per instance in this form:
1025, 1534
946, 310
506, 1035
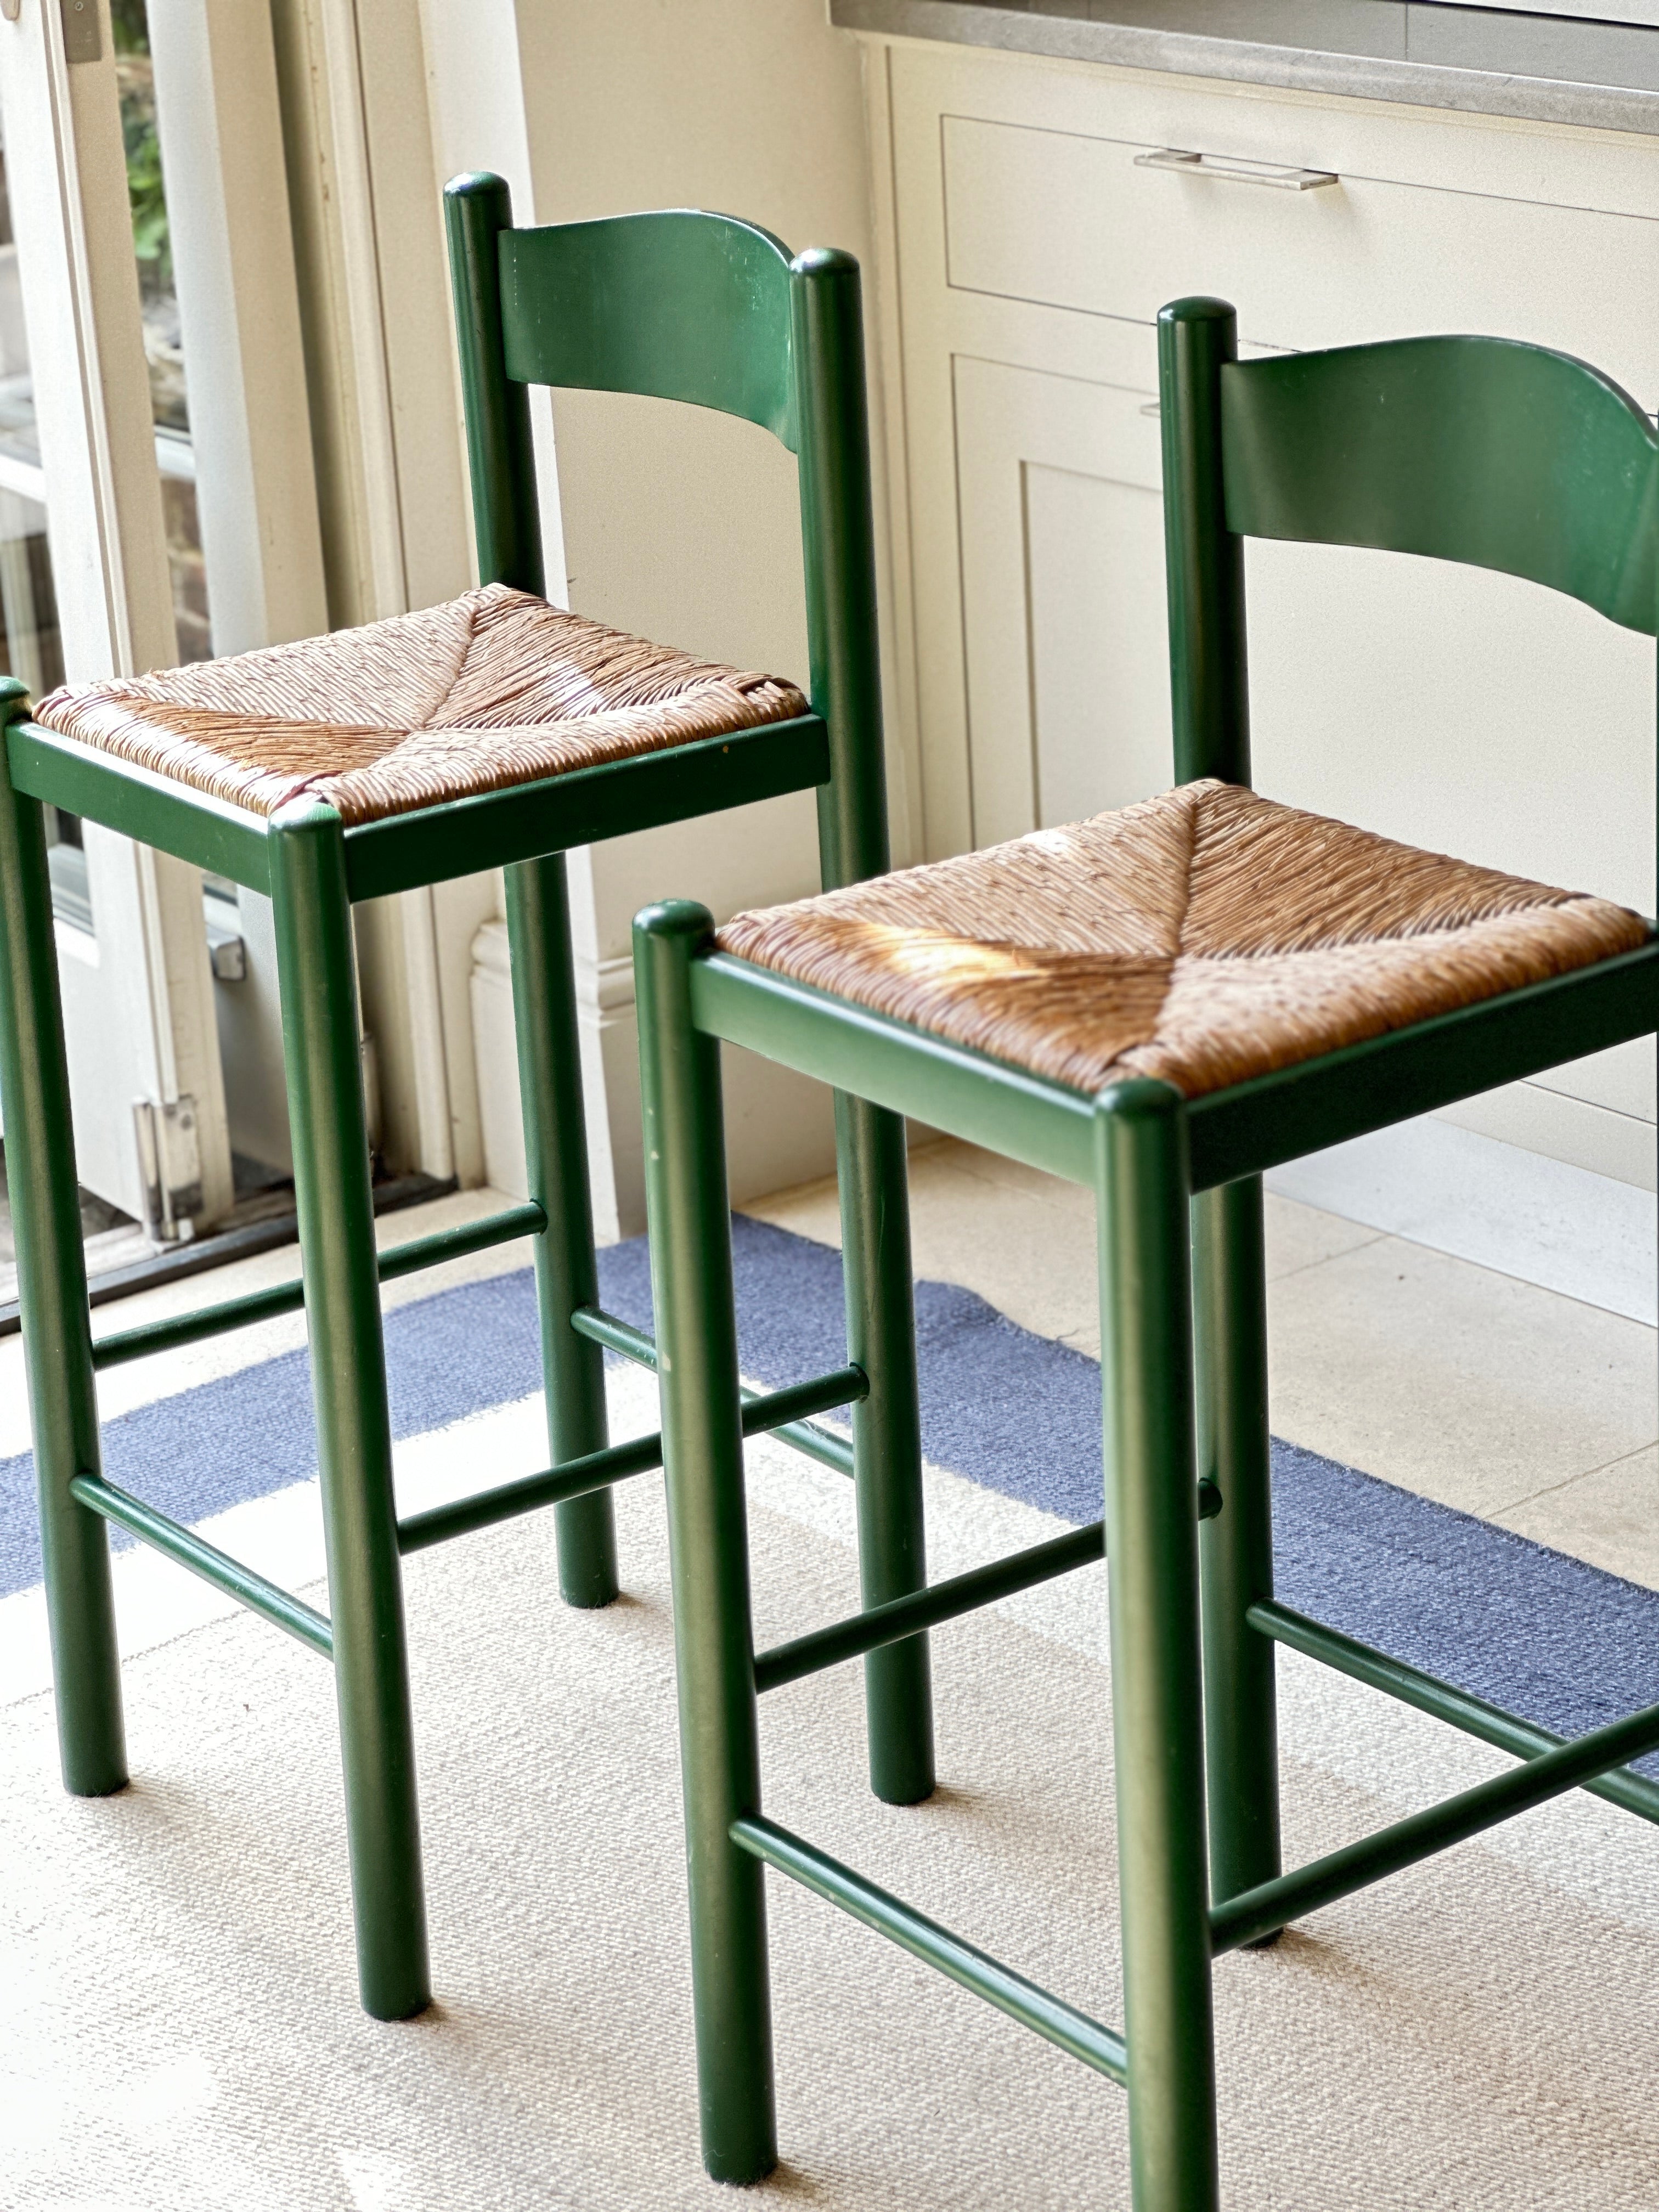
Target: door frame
138, 1007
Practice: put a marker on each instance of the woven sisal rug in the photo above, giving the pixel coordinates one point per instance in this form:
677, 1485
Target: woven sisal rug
182, 2029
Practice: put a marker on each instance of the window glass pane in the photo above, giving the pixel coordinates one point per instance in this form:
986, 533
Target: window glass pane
30, 648
28, 604
135, 76
66, 864
30, 644
18, 441
28, 611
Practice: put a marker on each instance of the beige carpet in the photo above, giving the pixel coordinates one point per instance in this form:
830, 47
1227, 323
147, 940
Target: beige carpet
181, 2029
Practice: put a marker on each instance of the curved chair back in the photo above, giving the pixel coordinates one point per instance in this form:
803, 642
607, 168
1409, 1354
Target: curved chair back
1476, 450
681, 306
713, 310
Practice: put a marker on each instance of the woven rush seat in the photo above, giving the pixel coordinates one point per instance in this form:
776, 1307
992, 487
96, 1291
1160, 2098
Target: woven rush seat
1201, 938
493, 689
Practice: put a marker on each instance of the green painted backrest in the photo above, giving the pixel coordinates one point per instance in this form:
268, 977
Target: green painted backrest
679, 306
676, 306
709, 310
1476, 450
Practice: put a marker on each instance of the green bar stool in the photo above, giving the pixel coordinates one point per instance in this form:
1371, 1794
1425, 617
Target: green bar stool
494, 730
1159, 1004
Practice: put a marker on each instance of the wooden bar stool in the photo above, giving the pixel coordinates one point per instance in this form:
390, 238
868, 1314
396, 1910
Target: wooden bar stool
492, 730
1159, 1003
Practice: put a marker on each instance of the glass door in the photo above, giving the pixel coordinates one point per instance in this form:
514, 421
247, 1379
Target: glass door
100, 572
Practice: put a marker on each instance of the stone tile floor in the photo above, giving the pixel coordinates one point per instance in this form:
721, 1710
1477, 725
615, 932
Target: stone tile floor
1468, 1386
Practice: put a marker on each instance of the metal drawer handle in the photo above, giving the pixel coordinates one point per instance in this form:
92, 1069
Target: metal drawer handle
1237, 172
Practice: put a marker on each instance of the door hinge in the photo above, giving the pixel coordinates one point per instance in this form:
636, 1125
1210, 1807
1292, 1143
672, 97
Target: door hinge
83, 37
170, 1167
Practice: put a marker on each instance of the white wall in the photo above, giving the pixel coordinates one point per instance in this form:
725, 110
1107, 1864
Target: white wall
681, 524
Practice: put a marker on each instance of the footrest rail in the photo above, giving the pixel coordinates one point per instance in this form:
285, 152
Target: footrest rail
187, 1549
615, 1335
1257, 1912
620, 1336
1635, 1793
903, 1616
286, 1298
579, 1478
1048, 2016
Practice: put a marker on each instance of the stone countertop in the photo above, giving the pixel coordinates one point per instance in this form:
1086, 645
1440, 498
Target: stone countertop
1546, 69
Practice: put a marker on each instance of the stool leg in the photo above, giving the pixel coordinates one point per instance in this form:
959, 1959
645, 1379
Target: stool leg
354, 1435
51, 1287
1236, 1547
881, 1338
1151, 1550
708, 1544
555, 1158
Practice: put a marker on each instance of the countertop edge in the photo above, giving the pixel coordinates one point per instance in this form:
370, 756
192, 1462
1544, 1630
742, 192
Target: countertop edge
1287, 69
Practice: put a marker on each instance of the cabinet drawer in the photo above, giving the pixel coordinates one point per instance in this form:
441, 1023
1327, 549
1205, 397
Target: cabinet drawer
1068, 220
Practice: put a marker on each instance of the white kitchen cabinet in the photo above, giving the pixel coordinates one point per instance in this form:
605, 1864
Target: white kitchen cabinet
1062, 590
1080, 222
1027, 256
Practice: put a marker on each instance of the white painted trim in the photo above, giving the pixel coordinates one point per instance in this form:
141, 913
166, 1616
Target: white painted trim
222, 149
250, 450
67, 181
891, 469
476, 101
377, 454
434, 1138
366, 183
140, 1022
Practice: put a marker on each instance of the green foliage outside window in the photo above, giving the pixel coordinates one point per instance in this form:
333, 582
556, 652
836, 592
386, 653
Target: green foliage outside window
135, 80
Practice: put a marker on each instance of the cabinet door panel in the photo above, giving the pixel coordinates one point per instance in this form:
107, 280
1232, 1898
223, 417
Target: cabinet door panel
1471, 713
1448, 707
1100, 690
1063, 615
1069, 220
1455, 709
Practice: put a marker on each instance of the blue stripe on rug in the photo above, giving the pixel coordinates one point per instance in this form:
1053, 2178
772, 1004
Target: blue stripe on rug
1545, 1636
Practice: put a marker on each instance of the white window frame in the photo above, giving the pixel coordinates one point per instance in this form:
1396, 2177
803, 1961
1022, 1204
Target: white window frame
138, 990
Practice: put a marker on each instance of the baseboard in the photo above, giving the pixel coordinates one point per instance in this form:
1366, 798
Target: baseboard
1589, 1237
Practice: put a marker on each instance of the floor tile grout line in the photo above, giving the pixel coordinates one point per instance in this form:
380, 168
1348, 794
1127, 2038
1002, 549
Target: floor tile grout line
1567, 1481
1038, 1197
1010, 1189
1483, 1268
1325, 1259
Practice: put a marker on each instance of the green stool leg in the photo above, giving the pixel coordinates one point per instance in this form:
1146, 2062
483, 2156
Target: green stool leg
881, 1338
708, 1545
1236, 1547
51, 1285
838, 541
354, 1435
555, 1158
1151, 1551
